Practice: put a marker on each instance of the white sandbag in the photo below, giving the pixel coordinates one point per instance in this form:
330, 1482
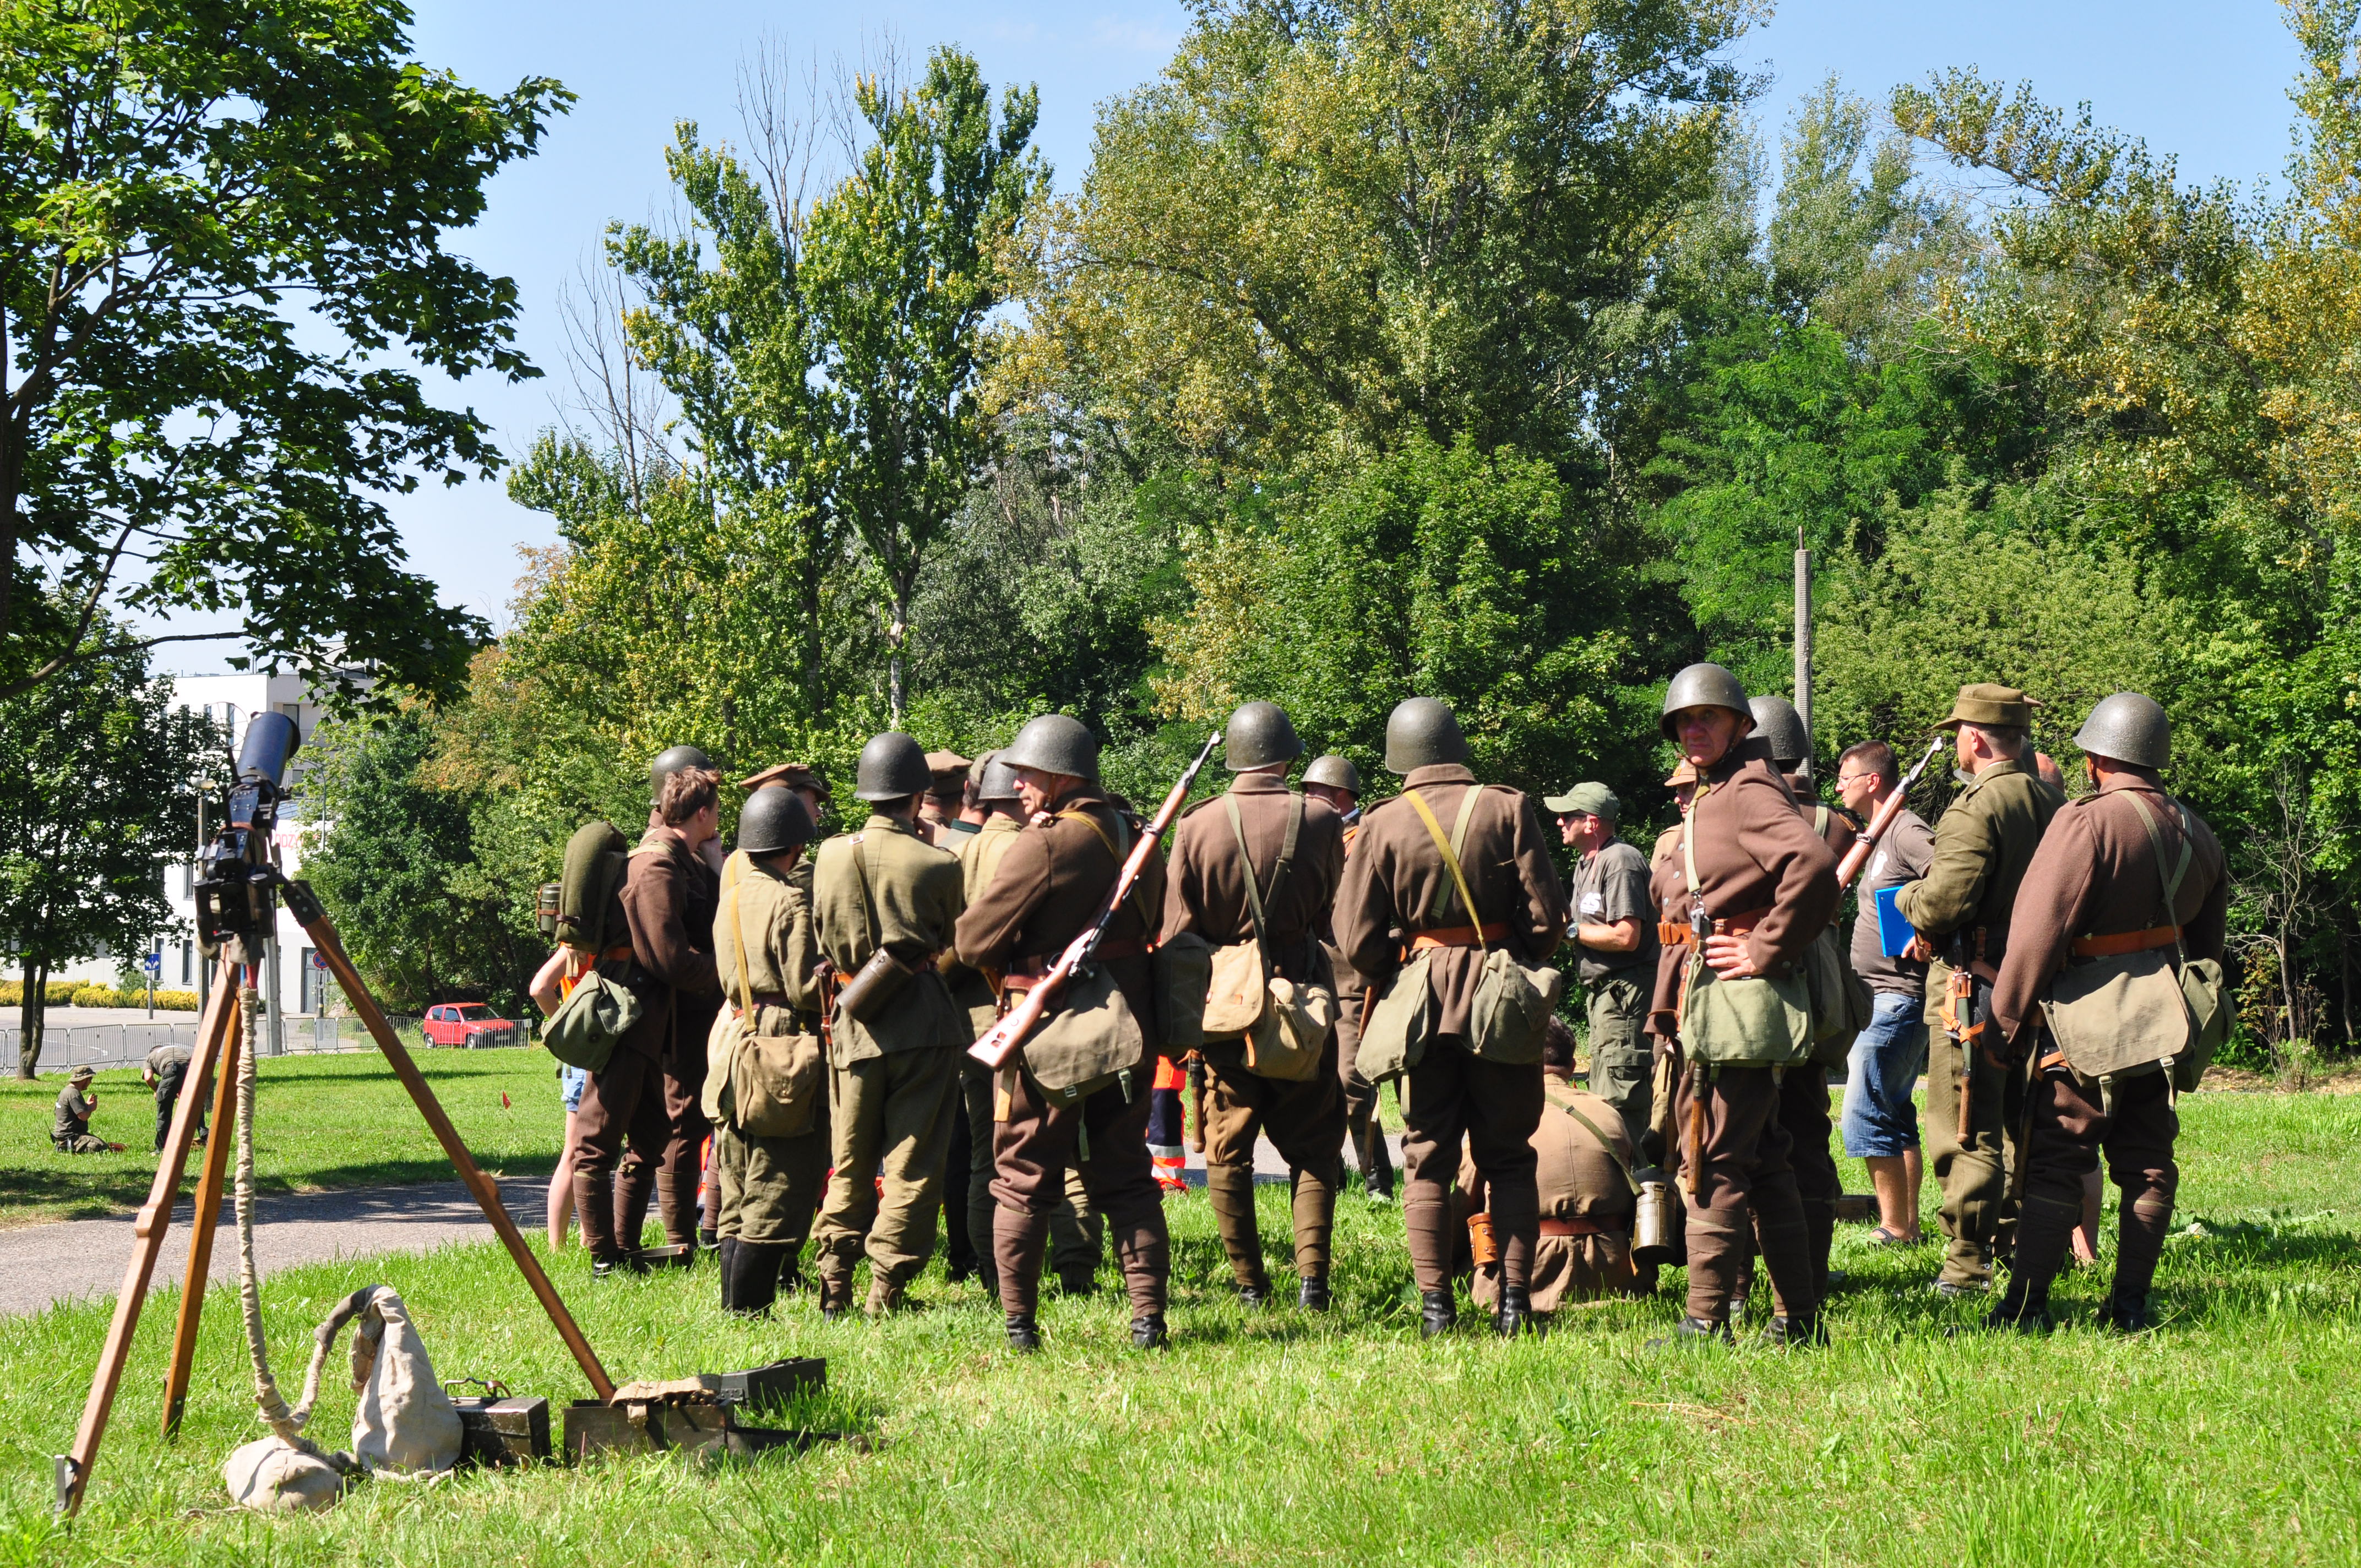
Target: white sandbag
405, 1422
273, 1475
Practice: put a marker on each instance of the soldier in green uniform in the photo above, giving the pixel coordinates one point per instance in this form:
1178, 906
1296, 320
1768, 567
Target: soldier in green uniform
1334, 779
1961, 911
72, 1133
771, 1158
893, 1059
1614, 929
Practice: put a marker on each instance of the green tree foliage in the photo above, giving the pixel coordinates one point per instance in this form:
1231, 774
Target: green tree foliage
396, 863
172, 178
99, 776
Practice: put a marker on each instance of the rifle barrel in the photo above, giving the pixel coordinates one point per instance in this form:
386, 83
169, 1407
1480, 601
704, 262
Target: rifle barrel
1858, 856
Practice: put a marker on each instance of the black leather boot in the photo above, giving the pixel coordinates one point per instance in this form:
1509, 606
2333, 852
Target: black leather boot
1255, 1293
1023, 1331
1312, 1295
1515, 1313
755, 1272
1437, 1313
1148, 1333
1793, 1332
791, 1268
2125, 1317
726, 1249
1695, 1332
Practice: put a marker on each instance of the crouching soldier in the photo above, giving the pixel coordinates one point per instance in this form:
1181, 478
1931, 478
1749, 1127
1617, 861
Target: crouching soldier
766, 1076
1583, 1171
2122, 906
72, 1133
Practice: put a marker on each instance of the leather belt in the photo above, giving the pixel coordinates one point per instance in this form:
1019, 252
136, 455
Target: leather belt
1030, 971
1572, 1228
1677, 934
2115, 944
1460, 935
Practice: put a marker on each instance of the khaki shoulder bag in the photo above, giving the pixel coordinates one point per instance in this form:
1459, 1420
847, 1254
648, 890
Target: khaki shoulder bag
1511, 1012
1757, 1021
1090, 1037
1286, 1041
1401, 1021
774, 1078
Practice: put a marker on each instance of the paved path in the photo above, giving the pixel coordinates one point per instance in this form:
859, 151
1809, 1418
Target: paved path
75, 1259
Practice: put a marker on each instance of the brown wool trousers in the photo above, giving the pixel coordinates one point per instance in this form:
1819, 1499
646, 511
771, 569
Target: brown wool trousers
1804, 1117
1453, 1093
1305, 1123
2071, 1128
623, 1102
1741, 1177
1103, 1138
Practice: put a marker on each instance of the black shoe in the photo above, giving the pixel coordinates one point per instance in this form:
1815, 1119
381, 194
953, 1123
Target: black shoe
1695, 1332
1078, 1285
833, 1314
791, 1271
1312, 1294
1784, 1332
1023, 1331
1254, 1297
1515, 1313
1952, 1291
1147, 1333
2125, 1317
708, 1238
2025, 1317
608, 1267
1437, 1313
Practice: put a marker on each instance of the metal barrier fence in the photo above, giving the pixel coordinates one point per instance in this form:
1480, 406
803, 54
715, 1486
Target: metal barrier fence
127, 1045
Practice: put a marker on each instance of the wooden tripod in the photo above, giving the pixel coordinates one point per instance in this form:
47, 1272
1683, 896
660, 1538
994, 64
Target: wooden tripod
215, 1067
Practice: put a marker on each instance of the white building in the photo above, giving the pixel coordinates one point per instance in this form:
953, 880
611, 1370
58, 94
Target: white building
234, 699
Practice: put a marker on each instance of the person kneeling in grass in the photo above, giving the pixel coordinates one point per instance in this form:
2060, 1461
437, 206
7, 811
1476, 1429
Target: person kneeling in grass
75, 1105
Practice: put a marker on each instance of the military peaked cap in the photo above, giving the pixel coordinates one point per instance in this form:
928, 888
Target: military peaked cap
2004, 706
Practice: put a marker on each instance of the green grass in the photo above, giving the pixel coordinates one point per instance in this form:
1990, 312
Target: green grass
325, 1122
2228, 1436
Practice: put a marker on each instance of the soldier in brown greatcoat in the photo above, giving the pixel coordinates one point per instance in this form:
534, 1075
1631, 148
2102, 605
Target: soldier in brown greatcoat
1397, 880
647, 1091
2123, 872
1763, 886
1293, 848
1334, 779
1051, 881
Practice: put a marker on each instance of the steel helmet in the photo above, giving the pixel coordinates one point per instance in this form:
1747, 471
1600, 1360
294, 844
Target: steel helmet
1054, 743
670, 761
1702, 685
892, 767
774, 820
1335, 772
1421, 733
2128, 728
998, 783
1776, 720
1259, 734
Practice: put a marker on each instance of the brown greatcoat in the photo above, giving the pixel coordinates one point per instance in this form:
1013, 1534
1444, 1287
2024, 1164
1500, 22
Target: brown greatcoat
670, 896
1204, 886
1580, 1179
1755, 852
2095, 875
1396, 879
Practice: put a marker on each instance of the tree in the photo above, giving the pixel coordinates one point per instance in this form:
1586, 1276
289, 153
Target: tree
395, 862
175, 435
906, 260
98, 780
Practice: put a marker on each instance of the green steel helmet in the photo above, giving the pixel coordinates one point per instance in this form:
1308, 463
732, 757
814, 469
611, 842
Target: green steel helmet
2128, 728
774, 821
1335, 772
1702, 685
892, 767
670, 761
1422, 733
997, 786
1776, 720
1259, 734
1054, 743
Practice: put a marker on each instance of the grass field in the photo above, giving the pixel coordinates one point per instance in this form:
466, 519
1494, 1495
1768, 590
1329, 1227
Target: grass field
326, 1121
2229, 1435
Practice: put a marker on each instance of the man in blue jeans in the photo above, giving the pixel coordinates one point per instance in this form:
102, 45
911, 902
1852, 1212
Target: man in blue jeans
1880, 1124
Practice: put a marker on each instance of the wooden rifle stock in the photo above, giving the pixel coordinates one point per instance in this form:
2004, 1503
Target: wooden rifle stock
1858, 856
1003, 1040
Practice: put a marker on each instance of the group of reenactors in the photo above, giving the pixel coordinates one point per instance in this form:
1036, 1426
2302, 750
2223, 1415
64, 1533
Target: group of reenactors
809, 1003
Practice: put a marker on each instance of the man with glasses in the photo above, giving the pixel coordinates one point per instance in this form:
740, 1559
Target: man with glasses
1613, 926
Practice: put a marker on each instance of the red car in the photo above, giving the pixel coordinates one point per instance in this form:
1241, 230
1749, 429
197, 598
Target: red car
468, 1024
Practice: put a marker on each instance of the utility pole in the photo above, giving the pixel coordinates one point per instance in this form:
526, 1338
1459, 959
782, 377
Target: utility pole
1804, 637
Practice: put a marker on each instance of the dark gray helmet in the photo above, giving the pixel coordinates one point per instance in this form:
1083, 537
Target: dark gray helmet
1702, 685
670, 761
998, 784
1054, 743
1421, 733
1259, 734
892, 767
1776, 720
774, 820
1335, 772
2128, 728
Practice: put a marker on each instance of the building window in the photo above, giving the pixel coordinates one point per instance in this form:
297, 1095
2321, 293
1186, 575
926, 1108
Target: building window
187, 949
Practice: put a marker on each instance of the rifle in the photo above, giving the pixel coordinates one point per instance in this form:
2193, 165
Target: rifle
1858, 856
1000, 1042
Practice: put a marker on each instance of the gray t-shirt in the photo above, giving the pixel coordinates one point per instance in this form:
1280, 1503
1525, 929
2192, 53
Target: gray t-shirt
1611, 885
1903, 855
163, 1057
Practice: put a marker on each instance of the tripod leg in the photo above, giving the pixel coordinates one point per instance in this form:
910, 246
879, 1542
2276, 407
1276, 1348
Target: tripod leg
305, 907
200, 1232
155, 1219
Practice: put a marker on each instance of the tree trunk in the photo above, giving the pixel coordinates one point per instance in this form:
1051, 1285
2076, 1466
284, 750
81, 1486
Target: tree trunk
32, 1019
895, 635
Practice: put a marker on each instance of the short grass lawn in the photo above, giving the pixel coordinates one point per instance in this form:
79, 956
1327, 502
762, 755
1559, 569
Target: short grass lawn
2231, 1434
323, 1121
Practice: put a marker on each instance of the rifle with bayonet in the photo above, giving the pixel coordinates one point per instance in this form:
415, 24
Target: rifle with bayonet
1004, 1039
1883, 818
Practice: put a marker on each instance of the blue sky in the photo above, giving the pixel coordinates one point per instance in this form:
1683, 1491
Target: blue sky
2204, 80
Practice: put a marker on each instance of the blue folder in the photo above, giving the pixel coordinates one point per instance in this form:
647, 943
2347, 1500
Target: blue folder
1894, 933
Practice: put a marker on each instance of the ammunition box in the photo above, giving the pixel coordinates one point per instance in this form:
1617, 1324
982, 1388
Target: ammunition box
773, 1384
503, 1432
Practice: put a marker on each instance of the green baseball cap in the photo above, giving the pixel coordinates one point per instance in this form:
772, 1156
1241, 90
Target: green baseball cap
1586, 800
